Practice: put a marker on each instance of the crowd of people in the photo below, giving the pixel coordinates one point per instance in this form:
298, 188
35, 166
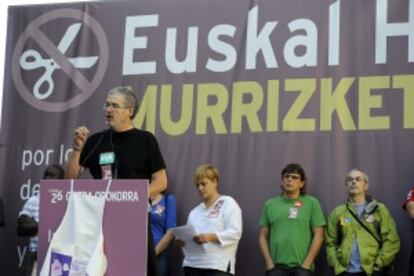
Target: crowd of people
360, 234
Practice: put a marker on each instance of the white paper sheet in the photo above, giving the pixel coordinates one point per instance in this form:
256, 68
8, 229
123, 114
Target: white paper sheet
186, 233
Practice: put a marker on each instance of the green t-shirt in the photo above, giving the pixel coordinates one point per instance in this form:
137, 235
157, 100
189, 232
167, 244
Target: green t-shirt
290, 223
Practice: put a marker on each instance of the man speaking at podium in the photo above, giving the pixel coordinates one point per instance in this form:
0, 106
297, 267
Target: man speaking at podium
120, 152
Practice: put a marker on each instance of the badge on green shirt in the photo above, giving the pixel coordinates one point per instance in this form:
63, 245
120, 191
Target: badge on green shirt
106, 158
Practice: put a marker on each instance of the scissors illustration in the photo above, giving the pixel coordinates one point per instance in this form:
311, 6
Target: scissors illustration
31, 59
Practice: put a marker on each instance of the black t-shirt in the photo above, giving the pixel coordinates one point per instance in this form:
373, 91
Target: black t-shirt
2, 218
411, 273
137, 154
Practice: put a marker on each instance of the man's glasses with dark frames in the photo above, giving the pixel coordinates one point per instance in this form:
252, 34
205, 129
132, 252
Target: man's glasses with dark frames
114, 106
293, 176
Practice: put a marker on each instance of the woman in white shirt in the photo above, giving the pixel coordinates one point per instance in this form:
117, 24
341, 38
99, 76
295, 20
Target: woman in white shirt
218, 224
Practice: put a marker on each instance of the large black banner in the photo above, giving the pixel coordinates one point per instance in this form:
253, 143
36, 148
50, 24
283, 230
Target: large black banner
248, 86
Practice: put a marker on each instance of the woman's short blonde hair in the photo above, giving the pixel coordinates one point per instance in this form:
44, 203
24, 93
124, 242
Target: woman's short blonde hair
206, 171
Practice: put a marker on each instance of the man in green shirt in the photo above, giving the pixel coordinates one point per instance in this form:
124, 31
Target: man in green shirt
291, 227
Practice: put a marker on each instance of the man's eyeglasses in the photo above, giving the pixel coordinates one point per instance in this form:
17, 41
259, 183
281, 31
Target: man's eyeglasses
350, 179
113, 106
293, 176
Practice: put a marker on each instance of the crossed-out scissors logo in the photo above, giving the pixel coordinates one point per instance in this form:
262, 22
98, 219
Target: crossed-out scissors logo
37, 61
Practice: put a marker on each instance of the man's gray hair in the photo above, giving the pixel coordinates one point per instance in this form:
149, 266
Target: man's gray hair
364, 175
129, 97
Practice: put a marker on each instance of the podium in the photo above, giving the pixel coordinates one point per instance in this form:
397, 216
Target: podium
125, 222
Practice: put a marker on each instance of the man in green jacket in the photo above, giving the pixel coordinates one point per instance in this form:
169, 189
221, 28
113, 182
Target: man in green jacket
361, 237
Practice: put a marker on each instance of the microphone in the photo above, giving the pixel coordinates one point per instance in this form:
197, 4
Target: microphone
95, 147
115, 172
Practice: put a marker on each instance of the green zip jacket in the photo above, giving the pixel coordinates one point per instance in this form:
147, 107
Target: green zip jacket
343, 229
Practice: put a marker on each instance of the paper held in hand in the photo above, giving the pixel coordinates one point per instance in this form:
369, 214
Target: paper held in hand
186, 233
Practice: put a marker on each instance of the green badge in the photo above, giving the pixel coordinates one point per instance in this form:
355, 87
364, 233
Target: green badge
106, 158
